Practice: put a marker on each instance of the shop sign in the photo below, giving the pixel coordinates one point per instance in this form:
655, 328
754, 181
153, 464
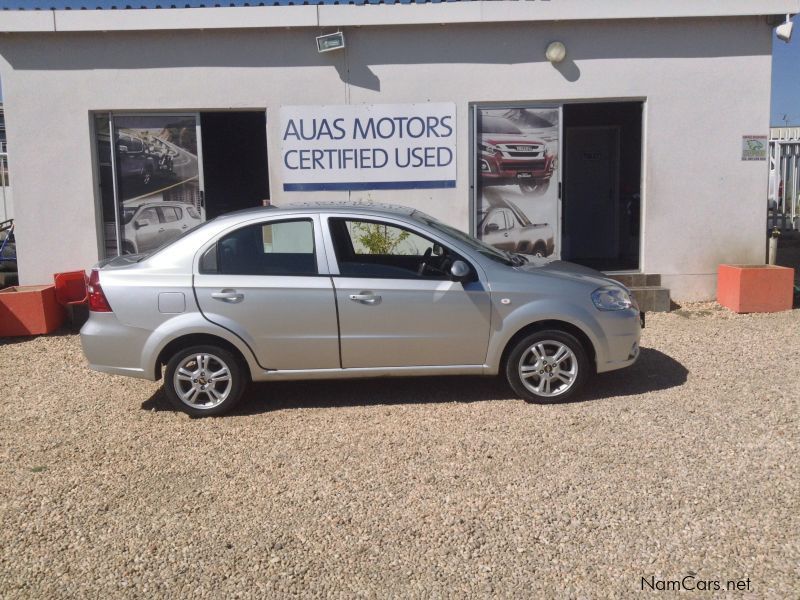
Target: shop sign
368, 146
754, 147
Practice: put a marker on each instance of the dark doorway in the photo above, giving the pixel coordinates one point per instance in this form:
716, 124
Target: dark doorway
602, 178
234, 160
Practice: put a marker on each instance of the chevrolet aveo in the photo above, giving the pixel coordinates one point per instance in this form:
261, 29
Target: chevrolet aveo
334, 291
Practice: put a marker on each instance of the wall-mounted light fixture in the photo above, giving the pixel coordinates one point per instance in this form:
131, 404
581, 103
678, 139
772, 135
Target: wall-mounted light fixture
330, 41
556, 52
784, 31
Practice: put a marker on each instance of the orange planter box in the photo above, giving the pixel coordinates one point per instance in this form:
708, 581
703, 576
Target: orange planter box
755, 288
29, 310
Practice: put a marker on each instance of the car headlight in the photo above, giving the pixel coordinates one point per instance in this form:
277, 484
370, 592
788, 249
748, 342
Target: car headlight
489, 148
611, 298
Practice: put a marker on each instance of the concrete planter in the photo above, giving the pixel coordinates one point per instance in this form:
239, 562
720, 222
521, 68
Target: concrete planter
29, 310
755, 288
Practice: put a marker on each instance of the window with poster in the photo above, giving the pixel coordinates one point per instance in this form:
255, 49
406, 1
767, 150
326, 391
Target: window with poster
158, 177
516, 178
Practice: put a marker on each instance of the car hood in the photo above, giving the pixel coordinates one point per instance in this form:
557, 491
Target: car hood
567, 270
510, 138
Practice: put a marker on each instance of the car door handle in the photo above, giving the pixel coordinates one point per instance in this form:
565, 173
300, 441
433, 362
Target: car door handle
160, 230
230, 296
366, 298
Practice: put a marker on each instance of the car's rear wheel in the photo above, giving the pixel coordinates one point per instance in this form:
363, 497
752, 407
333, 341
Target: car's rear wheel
204, 380
547, 366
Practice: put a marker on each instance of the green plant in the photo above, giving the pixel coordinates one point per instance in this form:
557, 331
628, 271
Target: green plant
379, 239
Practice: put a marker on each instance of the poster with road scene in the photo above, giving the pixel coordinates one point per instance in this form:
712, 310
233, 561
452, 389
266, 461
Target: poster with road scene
158, 181
517, 158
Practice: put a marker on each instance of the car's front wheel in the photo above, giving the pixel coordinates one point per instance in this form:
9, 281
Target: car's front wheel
547, 366
204, 380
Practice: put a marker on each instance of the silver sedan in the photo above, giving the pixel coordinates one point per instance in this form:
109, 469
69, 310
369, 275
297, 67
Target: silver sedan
334, 291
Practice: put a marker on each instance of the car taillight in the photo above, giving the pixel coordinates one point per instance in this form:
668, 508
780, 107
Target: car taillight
97, 299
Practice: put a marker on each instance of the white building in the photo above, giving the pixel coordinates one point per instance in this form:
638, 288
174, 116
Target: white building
649, 124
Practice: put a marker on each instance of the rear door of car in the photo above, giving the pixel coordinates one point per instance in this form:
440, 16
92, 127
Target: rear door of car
268, 282
389, 314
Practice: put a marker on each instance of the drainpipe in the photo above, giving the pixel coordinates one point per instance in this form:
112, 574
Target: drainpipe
773, 246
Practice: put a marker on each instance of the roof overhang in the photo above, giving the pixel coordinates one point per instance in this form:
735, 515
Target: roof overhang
481, 11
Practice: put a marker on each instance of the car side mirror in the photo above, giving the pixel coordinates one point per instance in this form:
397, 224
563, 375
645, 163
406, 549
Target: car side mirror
139, 223
491, 227
459, 270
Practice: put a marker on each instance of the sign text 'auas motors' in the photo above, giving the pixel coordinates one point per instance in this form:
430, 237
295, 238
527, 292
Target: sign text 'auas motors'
368, 146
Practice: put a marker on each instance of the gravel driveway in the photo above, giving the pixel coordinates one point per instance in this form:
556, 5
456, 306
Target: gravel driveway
420, 487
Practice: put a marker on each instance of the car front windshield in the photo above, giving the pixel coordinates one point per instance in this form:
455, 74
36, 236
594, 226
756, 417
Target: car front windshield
490, 124
473, 243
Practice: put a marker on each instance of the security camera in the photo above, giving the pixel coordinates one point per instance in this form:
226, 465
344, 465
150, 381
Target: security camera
784, 30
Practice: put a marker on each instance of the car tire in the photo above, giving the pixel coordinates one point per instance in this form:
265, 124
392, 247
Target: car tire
556, 377
189, 386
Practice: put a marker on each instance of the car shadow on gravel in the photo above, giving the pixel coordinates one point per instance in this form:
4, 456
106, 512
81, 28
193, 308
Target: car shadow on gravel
653, 371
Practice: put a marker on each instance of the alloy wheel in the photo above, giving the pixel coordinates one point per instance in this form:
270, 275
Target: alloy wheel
202, 381
548, 368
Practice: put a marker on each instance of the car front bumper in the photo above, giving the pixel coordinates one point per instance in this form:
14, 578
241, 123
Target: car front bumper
622, 331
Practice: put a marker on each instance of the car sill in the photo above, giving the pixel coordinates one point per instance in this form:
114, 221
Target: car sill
276, 375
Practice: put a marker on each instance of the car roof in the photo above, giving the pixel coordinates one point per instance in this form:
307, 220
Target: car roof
374, 208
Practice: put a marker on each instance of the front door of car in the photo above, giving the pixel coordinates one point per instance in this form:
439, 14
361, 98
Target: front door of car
171, 222
146, 226
497, 229
398, 307
267, 282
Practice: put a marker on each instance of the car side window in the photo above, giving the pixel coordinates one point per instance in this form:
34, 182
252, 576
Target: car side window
149, 216
495, 222
168, 214
282, 248
383, 250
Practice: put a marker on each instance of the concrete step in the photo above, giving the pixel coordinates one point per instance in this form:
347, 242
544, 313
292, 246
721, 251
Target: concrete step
652, 298
632, 280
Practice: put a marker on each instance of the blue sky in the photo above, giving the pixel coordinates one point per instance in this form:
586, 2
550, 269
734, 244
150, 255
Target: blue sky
786, 79
785, 106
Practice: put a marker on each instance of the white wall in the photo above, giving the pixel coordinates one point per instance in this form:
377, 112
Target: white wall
705, 83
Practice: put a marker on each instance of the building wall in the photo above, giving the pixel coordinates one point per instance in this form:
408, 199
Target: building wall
705, 83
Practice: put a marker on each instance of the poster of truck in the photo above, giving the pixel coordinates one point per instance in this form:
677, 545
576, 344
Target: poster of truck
517, 159
158, 181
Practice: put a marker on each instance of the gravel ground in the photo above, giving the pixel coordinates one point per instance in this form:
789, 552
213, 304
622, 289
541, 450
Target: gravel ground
421, 487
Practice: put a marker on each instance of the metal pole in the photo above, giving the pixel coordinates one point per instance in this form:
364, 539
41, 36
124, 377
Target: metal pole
113, 143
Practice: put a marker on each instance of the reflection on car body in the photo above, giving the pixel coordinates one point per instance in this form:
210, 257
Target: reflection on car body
332, 291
